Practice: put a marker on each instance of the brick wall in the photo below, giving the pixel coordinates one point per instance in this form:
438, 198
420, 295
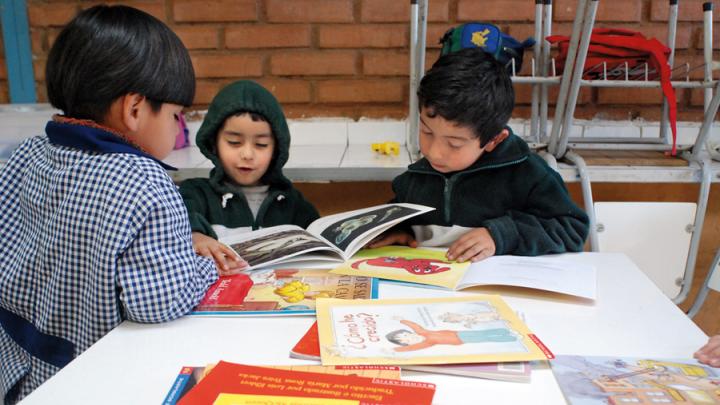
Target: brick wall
350, 57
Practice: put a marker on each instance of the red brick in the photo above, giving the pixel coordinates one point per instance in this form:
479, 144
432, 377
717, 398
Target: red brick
47, 15
211, 66
639, 96
268, 36
394, 112
697, 98
219, 10
688, 10
197, 36
313, 110
52, 34
683, 34
205, 91
386, 63
399, 11
4, 99
495, 10
625, 10
434, 33
37, 41
309, 10
360, 91
313, 63
523, 94
154, 8
39, 69
288, 91
363, 36
697, 70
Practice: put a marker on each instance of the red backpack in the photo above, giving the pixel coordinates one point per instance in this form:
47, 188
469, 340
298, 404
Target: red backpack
616, 46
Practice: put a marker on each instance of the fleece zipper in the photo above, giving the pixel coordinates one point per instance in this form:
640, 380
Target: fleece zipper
448, 183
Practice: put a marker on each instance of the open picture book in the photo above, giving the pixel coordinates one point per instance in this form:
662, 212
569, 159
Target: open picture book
333, 238
449, 330
280, 292
431, 267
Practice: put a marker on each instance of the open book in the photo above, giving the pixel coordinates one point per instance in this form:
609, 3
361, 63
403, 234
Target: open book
280, 292
449, 330
332, 238
431, 267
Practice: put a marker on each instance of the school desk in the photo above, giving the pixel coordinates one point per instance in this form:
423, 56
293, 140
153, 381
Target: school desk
137, 363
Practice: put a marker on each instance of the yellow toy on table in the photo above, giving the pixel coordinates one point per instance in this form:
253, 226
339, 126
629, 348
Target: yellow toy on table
386, 148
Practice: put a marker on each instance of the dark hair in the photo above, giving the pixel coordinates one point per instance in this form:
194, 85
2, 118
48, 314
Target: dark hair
470, 88
392, 336
106, 52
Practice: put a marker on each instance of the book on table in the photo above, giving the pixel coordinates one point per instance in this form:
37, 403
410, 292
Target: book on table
189, 376
333, 238
241, 384
308, 348
448, 330
431, 267
591, 380
280, 292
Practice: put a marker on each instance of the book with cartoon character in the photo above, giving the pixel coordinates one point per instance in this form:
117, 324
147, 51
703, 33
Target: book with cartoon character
599, 380
280, 292
332, 238
449, 330
308, 348
431, 267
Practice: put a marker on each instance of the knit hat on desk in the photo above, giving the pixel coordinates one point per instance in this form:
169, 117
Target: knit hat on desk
245, 95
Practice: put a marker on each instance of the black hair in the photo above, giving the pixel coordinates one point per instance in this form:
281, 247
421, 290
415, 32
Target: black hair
257, 117
392, 336
470, 88
106, 52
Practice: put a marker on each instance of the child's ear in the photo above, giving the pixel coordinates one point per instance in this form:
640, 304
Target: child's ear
497, 140
132, 104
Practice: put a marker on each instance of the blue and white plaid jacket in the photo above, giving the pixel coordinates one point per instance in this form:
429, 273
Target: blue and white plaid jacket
90, 235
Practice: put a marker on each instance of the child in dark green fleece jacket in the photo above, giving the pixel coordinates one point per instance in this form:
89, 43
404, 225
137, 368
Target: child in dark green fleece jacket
491, 194
246, 137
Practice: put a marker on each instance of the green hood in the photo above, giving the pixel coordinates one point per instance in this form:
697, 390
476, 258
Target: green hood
248, 96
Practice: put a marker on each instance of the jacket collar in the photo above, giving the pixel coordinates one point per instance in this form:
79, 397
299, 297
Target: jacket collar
510, 151
90, 136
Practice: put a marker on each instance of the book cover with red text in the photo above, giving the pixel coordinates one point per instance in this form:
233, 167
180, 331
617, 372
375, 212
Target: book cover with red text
231, 378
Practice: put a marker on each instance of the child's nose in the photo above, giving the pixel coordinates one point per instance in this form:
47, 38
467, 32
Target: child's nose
246, 152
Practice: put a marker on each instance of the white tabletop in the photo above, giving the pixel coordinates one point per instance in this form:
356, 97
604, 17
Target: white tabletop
137, 363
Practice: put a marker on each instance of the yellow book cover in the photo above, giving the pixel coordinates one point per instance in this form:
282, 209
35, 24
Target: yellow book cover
448, 330
403, 263
243, 399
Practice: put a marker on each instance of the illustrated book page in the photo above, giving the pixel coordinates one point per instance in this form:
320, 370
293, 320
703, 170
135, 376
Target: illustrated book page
449, 330
332, 238
596, 380
289, 291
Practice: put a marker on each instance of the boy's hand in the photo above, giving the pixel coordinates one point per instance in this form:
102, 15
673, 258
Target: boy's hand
474, 246
227, 261
710, 353
393, 238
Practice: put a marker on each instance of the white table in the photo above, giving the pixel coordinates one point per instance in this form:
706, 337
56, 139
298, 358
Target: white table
137, 363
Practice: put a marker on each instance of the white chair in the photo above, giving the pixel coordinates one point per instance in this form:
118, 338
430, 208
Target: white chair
712, 282
655, 235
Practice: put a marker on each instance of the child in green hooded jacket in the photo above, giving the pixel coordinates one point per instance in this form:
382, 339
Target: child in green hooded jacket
246, 137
